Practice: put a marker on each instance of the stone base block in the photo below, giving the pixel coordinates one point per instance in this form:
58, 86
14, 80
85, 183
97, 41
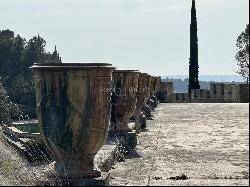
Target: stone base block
103, 180
131, 139
107, 155
127, 138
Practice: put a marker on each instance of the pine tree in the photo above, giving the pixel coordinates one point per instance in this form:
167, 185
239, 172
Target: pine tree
193, 61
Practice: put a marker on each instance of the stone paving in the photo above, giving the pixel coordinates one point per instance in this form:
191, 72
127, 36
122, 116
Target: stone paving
206, 144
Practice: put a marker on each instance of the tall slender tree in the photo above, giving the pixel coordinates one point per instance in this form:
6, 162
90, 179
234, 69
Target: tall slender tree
242, 55
193, 61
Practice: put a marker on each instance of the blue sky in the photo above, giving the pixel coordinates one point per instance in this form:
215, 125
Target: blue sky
149, 35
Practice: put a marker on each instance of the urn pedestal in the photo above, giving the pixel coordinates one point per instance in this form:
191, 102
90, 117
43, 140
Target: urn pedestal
73, 110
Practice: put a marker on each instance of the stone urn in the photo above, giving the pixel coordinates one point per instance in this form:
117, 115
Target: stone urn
141, 92
124, 98
141, 101
149, 86
146, 107
140, 95
73, 110
158, 83
152, 86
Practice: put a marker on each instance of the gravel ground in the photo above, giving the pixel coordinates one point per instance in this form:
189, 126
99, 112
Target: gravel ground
208, 144
14, 170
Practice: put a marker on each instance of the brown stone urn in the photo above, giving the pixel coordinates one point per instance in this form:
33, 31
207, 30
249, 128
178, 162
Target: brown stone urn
149, 86
141, 92
73, 110
146, 107
152, 86
158, 83
125, 84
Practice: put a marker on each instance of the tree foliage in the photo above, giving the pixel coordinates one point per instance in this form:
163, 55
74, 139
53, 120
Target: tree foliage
242, 55
16, 56
7, 107
193, 61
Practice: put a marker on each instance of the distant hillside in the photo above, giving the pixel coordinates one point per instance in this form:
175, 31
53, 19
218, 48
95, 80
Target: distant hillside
216, 78
181, 81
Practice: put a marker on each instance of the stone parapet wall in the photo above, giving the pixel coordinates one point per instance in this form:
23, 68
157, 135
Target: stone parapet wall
218, 93
181, 98
244, 93
165, 93
199, 96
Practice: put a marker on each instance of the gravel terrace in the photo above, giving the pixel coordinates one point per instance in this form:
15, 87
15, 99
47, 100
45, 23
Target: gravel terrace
206, 143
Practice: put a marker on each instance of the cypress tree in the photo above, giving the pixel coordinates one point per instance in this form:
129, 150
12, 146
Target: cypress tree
193, 61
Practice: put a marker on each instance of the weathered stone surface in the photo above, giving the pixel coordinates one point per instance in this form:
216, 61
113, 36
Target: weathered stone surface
73, 110
126, 139
106, 156
148, 112
165, 92
103, 180
16, 170
244, 93
206, 143
125, 85
218, 93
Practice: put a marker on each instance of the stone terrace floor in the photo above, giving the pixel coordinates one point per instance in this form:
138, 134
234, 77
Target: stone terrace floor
208, 143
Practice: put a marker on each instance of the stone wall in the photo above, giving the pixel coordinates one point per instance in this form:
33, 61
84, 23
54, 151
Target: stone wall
181, 98
200, 96
244, 93
165, 93
218, 93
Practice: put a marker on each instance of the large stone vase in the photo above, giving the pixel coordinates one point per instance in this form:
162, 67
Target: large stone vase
146, 107
152, 86
141, 92
139, 116
125, 84
140, 95
73, 110
149, 86
158, 83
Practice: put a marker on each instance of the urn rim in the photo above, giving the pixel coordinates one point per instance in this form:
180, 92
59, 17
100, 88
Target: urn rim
79, 65
126, 71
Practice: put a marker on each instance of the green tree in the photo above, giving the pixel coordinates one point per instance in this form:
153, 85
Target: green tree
242, 55
7, 107
16, 56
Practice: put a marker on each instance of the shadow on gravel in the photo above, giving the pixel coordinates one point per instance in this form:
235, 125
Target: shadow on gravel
144, 130
132, 154
180, 177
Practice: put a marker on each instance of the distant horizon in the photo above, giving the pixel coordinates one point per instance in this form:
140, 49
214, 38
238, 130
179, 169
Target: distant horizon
210, 77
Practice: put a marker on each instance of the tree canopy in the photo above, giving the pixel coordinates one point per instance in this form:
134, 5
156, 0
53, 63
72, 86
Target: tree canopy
7, 107
16, 56
242, 55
